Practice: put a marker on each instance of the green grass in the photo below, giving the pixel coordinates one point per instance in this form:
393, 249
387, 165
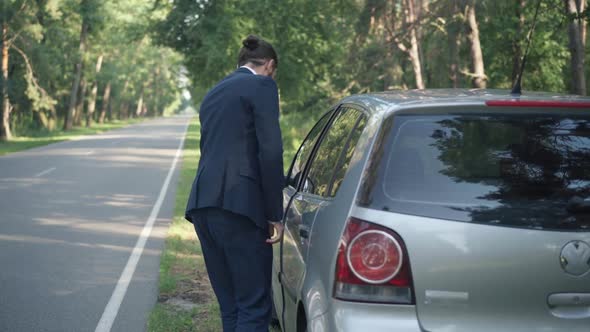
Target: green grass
167, 318
26, 142
182, 268
163, 318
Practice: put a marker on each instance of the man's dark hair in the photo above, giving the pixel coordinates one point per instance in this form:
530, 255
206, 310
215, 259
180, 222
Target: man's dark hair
256, 50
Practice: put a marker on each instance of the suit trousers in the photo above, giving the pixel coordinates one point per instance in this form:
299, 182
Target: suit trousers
239, 264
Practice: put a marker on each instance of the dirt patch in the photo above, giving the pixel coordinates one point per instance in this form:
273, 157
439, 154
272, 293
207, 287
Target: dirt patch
191, 292
181, 303
196, 290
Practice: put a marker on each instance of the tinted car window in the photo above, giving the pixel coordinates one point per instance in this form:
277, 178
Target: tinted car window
346, 157
528, 170
305, 150
322, 167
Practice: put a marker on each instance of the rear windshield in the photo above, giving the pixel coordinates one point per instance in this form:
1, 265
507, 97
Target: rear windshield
522, 170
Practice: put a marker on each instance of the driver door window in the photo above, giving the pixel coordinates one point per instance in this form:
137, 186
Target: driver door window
305, 151
328, 155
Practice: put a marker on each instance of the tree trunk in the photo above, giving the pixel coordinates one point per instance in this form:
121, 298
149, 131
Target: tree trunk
93, 93
516, 49
478, 72
139, 105
583, 22
421, 9
156, 93
77, 77
122, 111
414, 52
454, 44
576, 46
110, 112
5, 133
80, 104
106, 99
53, 119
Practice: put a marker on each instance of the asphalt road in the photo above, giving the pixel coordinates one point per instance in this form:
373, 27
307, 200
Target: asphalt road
71, 214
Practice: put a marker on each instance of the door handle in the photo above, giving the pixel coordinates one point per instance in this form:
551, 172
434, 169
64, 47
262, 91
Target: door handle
569, 299
569, 305
303, 231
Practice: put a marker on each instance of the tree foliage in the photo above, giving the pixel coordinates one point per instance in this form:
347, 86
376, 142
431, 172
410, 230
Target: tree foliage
332, 48
311, 38
44, 46
327, 49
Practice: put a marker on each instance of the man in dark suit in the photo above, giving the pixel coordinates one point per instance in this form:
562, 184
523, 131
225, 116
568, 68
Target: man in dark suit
236, 197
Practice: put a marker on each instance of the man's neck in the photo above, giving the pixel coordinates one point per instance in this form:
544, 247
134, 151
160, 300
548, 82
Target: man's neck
250, 69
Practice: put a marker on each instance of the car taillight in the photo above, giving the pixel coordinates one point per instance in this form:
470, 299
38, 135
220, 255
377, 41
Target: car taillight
372, 265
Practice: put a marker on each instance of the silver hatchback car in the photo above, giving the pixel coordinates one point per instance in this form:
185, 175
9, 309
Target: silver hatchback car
440, 210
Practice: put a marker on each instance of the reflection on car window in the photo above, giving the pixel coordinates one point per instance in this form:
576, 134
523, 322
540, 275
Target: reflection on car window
515, 170
327, 156
305, 150
346, 157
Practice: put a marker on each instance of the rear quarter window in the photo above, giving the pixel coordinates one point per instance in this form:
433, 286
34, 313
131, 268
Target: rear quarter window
527, 169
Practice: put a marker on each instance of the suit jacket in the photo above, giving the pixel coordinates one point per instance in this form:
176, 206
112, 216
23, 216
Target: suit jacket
241, 164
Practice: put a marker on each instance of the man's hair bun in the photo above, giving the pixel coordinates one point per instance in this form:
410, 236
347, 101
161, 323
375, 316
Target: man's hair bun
257, 51
251, 42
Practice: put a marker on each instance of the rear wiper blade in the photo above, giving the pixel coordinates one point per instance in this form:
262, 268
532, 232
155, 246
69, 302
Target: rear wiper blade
578, 204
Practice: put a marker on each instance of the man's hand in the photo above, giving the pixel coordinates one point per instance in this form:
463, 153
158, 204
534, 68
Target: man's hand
275, 229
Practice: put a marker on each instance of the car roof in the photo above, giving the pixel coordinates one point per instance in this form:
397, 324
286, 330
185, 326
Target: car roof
390, 101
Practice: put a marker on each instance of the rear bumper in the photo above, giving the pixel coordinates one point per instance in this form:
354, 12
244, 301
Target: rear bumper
351, 317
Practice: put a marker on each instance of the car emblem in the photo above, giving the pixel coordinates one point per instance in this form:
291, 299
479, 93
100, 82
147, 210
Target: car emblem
575, 258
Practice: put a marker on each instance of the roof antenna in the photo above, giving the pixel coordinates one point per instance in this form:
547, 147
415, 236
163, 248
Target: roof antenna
517, 89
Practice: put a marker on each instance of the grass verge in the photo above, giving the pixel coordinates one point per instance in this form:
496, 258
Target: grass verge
186, 301
26, 142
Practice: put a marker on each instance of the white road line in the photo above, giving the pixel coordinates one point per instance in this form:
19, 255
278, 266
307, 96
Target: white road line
45, 172
112, 308
89, 153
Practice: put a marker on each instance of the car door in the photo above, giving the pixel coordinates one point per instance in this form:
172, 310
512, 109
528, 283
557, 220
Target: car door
293, 178
314, 191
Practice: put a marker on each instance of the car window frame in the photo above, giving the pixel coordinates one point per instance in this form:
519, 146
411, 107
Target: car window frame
333, 110
362, 112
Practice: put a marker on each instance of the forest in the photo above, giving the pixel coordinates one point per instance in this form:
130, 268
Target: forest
69, 63
74, 63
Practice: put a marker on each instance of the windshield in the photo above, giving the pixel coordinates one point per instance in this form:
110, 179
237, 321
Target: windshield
524, 170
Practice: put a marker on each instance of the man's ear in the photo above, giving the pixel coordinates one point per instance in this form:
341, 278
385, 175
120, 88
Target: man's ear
269, 66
